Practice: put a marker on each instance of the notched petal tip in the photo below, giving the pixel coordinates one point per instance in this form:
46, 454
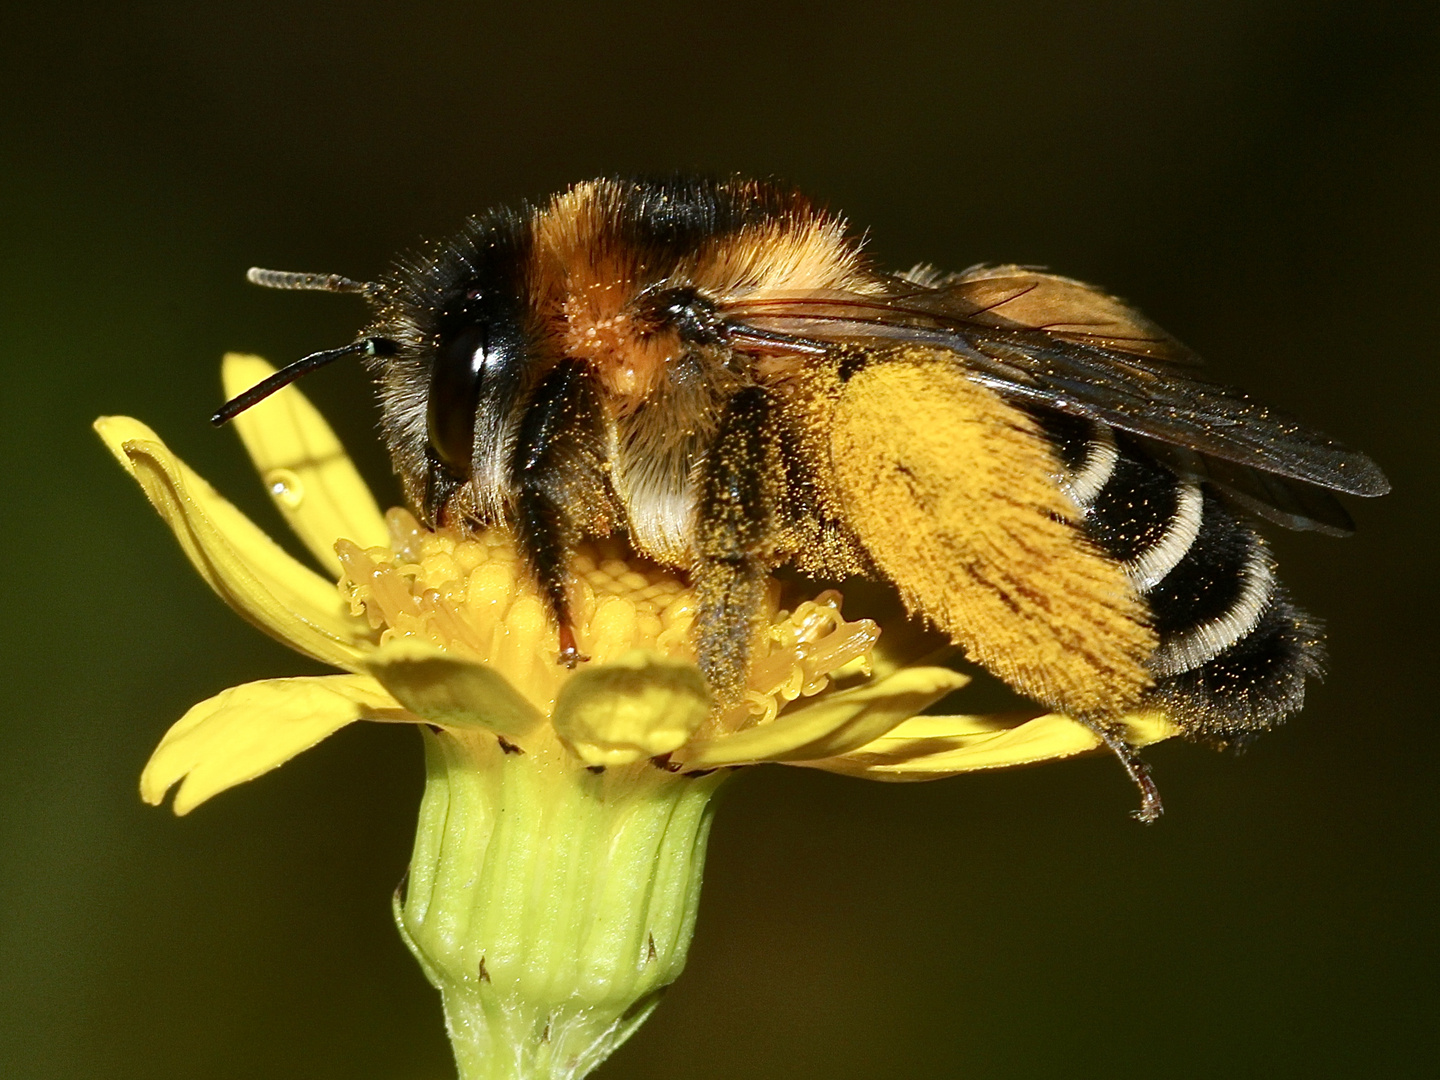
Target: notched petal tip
931, 747
244, 567
638, 706
248, 730
451, 691
116, 431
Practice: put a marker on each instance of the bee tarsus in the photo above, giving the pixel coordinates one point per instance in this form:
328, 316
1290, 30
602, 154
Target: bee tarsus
1136, 767
570, 655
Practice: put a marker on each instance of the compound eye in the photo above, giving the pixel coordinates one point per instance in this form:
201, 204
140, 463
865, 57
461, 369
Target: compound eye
455, 379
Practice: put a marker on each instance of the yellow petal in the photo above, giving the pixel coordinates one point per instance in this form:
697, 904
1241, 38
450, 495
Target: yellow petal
451, 691
305, 469
637, 706
928, 747
831, 724
248, 730
247, 569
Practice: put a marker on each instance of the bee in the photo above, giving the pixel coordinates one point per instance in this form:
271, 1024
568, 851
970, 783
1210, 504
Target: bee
714, 370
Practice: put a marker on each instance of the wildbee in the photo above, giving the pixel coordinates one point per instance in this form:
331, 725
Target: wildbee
714, 369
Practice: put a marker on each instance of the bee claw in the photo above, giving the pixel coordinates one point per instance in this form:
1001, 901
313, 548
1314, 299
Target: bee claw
1137, 768
570, 654
1150, 805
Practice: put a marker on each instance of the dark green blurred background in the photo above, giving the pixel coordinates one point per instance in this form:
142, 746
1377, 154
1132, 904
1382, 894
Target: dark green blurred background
1260, 177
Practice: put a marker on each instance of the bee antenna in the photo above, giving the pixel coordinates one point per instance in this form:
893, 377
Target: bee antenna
286, 375
290, 279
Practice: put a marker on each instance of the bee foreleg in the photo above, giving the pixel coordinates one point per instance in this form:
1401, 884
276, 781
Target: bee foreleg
1136, 767
739, 491
555, 476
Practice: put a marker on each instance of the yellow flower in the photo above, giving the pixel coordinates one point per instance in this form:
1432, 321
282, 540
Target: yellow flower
442, 629
557, 864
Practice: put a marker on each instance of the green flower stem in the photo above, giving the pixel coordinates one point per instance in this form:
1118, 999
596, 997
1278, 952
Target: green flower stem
550, 905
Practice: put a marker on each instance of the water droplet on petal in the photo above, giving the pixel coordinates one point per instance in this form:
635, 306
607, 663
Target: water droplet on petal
285, 487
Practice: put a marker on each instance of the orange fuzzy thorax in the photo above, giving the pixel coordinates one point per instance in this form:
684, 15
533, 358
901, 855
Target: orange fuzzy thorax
592, 283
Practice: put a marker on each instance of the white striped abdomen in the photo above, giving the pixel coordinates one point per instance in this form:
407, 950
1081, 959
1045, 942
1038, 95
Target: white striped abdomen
1234, 652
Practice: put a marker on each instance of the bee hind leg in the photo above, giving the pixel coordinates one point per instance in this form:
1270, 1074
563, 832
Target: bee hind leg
1136, 767
730, 592
739, 491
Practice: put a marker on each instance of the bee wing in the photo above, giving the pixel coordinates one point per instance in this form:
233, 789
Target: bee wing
1062, 345
1289, 503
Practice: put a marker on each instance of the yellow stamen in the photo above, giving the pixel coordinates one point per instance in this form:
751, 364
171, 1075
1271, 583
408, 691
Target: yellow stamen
471, 594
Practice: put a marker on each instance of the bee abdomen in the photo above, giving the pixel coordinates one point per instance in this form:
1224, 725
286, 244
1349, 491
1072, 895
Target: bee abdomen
1234, 652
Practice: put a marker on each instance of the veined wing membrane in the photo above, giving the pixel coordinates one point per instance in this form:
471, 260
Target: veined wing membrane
1062, 345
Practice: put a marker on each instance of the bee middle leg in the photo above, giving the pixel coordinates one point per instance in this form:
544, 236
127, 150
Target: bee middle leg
739, 491
558, 481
